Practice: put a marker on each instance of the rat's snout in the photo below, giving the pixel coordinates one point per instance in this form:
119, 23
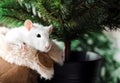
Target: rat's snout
47, 46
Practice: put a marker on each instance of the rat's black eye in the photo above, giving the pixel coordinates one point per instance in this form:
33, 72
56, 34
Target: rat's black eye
38, 35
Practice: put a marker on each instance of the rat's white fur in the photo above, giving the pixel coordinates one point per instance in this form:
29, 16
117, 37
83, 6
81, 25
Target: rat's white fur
15, 55
21, 35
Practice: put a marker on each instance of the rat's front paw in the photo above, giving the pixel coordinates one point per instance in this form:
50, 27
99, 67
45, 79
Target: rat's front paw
23, 46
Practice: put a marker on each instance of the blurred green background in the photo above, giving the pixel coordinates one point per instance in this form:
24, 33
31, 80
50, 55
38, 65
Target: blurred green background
101, 44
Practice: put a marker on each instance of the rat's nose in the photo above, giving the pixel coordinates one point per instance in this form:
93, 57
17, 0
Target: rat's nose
47, 46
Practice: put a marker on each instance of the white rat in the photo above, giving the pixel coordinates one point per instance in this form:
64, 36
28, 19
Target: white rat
32, 34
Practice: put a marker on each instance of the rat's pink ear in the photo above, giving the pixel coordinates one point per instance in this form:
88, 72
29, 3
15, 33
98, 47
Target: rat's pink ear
28, 24
50, 28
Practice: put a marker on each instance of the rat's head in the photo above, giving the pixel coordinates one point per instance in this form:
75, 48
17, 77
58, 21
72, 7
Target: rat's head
38, 36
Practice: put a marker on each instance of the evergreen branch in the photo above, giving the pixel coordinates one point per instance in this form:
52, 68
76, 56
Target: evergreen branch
10, 22
47, 16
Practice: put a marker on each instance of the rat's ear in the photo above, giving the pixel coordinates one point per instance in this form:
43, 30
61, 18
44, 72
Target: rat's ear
28, 24
50, 28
